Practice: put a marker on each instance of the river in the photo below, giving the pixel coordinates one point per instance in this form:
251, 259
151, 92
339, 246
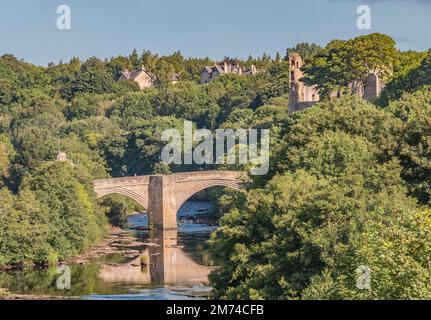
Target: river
171, 265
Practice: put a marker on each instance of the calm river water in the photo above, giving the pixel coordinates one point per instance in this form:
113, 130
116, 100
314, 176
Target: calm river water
178, 266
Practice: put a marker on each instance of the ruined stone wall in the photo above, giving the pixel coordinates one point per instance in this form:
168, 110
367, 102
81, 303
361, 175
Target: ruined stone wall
373, 87
302, 96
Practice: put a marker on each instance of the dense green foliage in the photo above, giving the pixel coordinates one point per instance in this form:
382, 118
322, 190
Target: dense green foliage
414, 73
349, 182
74, 218
337, 200
307, 51
53, 216
414, 149
6, 155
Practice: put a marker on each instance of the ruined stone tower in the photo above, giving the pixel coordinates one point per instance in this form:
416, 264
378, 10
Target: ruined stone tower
301, 96
373, 86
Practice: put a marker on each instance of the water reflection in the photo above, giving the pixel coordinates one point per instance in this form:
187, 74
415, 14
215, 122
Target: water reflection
172, 264
162, 263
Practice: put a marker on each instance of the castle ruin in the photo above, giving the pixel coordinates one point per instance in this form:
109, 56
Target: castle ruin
302, 96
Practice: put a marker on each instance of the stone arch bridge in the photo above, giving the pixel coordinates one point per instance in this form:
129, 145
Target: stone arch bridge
163, 195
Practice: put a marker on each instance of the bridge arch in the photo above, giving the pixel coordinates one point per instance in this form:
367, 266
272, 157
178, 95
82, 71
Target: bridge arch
128, 193
135, 188
183, 196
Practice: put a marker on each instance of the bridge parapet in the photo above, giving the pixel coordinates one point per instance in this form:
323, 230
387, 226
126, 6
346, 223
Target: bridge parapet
138, 180
206, 175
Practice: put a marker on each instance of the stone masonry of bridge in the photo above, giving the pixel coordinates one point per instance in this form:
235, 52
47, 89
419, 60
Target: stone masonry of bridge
163, 195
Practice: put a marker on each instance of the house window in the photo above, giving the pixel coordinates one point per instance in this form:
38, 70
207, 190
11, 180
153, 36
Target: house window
292, 76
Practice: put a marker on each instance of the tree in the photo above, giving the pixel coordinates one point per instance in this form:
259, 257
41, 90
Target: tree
88, 105
278, 57
300, 235
414, 111
93, 77
149, 60
74, 216
133, 107
134, 60
118, 207
102, 136
88, 163
342, 64
164, 72
118, 64
34, 146
412, 76
193, 68
302, 225
62, 73
145, 146
24, 230
351, 115
16, 77
397, 254
306, 50
188, 101
7, 154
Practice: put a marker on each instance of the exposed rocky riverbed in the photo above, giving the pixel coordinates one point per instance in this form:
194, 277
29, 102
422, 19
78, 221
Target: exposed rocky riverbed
117, 241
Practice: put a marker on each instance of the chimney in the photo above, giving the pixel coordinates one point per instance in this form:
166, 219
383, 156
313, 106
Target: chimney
239, 69
126, 70
226, 70
253, 69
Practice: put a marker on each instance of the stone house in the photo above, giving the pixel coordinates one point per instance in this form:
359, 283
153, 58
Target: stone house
302, 96
144, 78
210, 73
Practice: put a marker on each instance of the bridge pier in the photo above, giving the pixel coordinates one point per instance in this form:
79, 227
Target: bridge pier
162, 211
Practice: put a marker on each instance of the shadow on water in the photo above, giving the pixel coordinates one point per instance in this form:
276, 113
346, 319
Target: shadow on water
174, 264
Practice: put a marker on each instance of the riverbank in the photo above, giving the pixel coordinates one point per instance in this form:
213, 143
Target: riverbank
6, 295
118, 241
132, 263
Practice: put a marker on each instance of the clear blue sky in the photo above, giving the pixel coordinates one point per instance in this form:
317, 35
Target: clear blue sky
214, 28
